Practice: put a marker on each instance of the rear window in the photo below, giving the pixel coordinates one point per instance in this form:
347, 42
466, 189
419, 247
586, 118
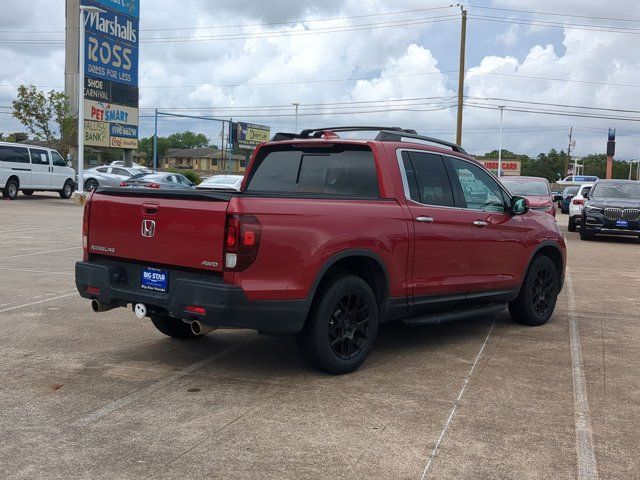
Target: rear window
14, 154
343, 170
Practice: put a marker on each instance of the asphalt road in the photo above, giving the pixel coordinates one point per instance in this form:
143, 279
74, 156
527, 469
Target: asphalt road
87, 395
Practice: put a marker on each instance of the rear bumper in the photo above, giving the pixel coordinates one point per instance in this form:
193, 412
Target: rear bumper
225, 305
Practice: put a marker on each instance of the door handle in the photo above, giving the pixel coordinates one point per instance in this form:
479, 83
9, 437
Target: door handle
480, 223
424, 219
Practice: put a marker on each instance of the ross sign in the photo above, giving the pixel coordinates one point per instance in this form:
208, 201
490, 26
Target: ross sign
110, 113
249, 135
96, 134
509, 167
110, 92
111, 73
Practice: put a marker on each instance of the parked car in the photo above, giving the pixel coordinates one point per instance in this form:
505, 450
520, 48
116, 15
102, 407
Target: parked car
107, 176
535, 189
576, 206
567, 194
137, 166
222, 182
577, 180
612, 208
327, 238
30, 169
158, 180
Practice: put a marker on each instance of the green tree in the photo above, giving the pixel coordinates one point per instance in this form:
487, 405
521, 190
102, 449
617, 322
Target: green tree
39, 111
14, 137
177, 140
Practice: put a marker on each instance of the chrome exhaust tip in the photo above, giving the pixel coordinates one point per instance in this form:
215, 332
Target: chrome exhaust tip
198, 328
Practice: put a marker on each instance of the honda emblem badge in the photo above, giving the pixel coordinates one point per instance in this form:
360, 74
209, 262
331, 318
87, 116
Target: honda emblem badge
148, 228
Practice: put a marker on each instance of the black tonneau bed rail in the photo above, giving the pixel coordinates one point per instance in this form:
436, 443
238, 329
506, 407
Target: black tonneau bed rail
186, 194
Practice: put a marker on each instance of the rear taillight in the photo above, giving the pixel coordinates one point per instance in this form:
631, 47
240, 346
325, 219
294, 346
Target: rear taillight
85, 231
242, 241
124, 184
153, 185
578, 201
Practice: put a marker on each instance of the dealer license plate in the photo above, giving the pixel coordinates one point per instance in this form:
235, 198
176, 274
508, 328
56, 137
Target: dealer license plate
622, 223
154, 279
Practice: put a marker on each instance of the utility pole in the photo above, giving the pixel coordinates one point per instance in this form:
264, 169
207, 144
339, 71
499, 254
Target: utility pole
296, 105
500, 143
567, 160
463, 40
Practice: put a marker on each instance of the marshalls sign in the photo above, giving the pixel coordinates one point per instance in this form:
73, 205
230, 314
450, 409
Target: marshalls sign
111, 73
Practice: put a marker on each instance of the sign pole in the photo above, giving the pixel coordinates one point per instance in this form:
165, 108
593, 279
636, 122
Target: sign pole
81, 104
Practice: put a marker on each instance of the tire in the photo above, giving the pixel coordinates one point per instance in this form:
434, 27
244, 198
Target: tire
332, 341
572, 224
90, 185
538, 295
67, 190
585, 234
174, 327
11, 189
28, 193
564, 210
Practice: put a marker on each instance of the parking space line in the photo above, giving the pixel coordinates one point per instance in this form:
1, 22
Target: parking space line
40, 253
33, 270
587, 466
455, 405
38, 302
154, 387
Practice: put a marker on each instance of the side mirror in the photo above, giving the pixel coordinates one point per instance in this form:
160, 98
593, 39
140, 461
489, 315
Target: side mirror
519, 205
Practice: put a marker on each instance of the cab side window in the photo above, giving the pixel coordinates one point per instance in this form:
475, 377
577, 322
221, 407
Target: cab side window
58, 161
479, 189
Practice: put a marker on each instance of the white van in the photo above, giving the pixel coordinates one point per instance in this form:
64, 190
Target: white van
29, 168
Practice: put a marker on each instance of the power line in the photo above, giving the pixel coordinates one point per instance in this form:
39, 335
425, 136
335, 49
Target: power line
568, 26
555, 104
267, 24
555, 79
572, 15
554, 112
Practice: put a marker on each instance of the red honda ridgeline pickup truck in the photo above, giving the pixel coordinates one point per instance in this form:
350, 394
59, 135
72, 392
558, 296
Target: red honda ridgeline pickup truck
327, 238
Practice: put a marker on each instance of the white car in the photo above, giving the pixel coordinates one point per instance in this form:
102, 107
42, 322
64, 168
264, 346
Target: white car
29, 168
577, 180
222, 182
137, 166
577, 204
107, 176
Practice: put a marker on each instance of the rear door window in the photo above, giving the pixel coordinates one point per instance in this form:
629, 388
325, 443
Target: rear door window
14, 154
39, 157
427, 179
340, 171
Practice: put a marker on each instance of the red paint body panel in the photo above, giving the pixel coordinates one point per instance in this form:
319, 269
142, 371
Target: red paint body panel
187, 233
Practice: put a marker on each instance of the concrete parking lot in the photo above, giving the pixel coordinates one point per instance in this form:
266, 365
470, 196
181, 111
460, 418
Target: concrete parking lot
89, 395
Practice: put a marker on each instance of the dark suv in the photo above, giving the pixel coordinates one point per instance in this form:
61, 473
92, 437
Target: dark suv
612, 208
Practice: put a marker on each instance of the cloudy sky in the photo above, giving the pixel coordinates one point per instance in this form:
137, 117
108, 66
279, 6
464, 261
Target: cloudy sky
368, 62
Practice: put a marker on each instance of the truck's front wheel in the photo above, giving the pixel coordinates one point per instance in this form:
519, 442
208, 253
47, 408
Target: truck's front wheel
341, 327
173, 327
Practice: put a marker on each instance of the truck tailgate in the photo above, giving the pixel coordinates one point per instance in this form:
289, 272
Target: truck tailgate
182, 228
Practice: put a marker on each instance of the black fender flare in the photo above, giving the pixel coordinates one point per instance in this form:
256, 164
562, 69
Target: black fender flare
536, 251
335, 258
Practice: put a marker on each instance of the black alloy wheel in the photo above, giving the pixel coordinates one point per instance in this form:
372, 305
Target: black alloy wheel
543, 290
342, 326
349, 326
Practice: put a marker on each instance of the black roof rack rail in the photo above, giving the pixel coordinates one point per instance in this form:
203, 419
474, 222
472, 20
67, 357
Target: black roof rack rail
394, 136
386, 134
317, 132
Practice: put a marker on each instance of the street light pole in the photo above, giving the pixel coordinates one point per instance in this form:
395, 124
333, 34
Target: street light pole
83, 9
296, 105
501, 108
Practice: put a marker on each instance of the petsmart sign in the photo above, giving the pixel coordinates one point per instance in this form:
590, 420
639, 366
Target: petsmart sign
111, 73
